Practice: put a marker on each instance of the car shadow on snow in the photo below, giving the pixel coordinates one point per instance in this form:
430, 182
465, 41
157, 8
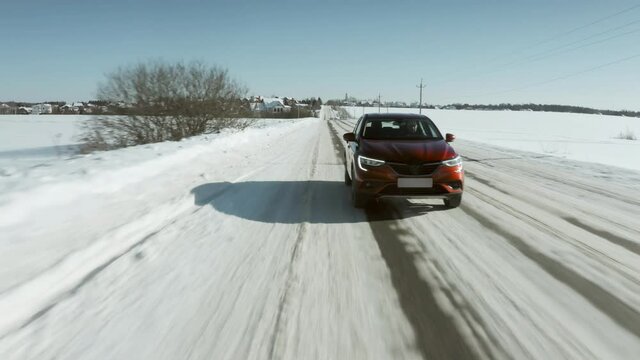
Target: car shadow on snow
291, 202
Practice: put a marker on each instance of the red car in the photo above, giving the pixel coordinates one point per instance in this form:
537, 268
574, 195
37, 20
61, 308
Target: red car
401, 155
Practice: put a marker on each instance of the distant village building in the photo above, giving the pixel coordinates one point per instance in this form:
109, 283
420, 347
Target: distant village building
24, 110
90, 108
269, 105
75, 108
6, 109
80, 106
40, 109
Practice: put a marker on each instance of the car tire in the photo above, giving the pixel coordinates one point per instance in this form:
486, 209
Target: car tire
453, 201
347, 179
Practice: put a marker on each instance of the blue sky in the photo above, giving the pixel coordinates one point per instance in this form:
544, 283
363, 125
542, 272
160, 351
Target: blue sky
467, 51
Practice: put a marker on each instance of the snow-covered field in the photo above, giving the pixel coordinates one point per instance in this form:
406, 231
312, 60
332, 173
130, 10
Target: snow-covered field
26, 132
36, 139
244, 245
581, 137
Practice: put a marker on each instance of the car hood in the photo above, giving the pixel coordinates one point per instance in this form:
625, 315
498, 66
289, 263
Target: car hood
407, 151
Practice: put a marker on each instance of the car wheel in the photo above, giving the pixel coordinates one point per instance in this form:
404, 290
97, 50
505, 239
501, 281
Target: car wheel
347, 179
453, 201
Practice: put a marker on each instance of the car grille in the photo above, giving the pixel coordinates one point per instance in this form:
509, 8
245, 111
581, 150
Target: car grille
414, 169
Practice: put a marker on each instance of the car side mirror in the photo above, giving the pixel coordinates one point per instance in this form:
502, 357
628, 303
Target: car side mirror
349, 137
450, 137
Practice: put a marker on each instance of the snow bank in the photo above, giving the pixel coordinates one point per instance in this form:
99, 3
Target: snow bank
139, 182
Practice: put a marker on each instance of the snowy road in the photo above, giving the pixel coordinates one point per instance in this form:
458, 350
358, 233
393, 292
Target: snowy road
238, 251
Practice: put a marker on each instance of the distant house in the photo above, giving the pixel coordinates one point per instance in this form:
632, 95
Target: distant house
23, 110
90, 108
80, 106
6, 109
39, 109
269, 105
256, 106
69, 109
74, 108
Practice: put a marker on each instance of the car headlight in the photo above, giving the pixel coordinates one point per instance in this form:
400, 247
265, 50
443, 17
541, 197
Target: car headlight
365, 161
456, 161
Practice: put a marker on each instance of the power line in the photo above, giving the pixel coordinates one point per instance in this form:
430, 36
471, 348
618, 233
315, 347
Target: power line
565, 33
559, 77
559, 35
588, 38
558, 51
587, 25
584, 45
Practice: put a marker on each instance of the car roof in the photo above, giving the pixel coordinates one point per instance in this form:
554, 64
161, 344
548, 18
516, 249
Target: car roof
395, 116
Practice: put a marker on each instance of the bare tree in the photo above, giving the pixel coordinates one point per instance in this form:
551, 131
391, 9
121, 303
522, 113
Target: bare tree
165, 101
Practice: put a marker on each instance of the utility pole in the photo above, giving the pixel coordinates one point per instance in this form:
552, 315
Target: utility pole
420, 87
378, 103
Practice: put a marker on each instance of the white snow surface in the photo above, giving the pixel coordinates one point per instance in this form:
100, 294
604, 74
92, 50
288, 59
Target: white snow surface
24, 132
583, 137
31, 141
244, 245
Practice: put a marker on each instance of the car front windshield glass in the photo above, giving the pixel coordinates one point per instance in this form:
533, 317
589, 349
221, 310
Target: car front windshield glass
400, 129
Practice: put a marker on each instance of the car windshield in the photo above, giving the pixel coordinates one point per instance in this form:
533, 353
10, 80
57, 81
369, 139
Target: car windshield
401, 129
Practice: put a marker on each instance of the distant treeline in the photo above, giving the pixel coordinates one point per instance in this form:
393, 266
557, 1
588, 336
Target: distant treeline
58, 103
498, 107
543, 107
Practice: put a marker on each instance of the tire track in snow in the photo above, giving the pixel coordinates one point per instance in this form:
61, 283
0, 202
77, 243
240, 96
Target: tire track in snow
436, 334
545, 226
570, 216
557, 210
279, 326
338, 149
547, 172
531, 173
607, 303
280, 323
618, 240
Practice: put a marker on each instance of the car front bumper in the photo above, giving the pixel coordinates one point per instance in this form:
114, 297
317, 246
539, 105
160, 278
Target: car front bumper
382, 181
